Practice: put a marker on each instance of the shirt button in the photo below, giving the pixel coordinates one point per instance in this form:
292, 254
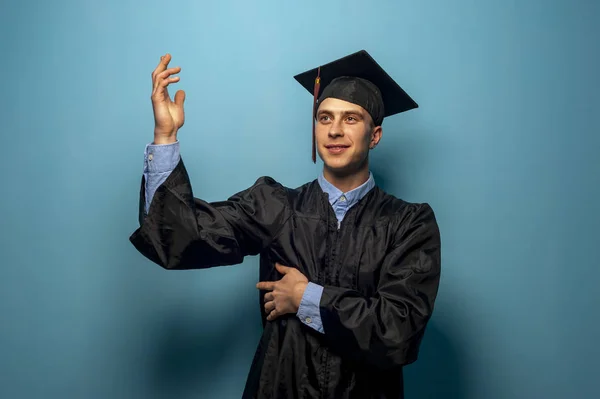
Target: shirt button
342, 198
150, 157
308, 320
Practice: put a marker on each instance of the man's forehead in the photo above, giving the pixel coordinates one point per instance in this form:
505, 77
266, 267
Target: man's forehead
337, 105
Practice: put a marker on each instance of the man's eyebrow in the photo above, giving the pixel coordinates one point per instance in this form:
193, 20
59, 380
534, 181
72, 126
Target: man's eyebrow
343, 112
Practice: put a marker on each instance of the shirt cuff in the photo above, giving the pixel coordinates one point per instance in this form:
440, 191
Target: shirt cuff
159, 162
309, 311
161, 158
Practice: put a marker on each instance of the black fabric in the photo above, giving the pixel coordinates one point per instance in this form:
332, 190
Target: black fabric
380, 272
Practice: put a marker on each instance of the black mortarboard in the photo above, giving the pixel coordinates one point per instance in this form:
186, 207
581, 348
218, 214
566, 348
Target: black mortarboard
358, 79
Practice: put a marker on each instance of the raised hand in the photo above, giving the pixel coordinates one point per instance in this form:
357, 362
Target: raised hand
168, 115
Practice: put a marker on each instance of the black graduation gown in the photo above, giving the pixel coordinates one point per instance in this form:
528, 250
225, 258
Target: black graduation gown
380, 272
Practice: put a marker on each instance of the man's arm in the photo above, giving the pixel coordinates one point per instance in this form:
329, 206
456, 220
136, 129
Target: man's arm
181, 231
385, 331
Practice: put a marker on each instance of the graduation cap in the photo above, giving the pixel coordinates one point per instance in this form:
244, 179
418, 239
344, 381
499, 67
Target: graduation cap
356, 78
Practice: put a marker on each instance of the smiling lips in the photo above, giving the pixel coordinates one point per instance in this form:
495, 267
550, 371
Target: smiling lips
336, 148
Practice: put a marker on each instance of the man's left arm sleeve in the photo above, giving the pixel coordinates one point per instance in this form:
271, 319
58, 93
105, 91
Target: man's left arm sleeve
385, 330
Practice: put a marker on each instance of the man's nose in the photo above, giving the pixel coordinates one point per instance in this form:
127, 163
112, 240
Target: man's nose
336, 129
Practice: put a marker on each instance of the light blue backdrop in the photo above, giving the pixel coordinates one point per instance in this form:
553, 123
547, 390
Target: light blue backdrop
504, 147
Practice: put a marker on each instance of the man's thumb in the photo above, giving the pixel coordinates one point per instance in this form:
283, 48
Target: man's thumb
180, 97
281, 269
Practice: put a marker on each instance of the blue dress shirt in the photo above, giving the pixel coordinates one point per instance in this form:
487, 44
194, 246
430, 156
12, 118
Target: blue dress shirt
161, 159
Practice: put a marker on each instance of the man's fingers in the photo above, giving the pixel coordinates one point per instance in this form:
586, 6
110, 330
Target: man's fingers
165, 82
269, 307
281, 268
168, 72
162, 65
269, 297
266, 285
164, 60
165, 75
273, 315
161, 87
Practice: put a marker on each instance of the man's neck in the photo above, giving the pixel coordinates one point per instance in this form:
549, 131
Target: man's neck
347, 182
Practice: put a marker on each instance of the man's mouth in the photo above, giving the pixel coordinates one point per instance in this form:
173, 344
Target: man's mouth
336, 148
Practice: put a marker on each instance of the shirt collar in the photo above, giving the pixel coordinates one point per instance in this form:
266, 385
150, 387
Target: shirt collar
352, 196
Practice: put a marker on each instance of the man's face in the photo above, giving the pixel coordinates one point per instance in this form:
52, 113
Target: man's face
344, 134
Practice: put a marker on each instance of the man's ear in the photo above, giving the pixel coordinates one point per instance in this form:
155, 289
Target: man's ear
376, 136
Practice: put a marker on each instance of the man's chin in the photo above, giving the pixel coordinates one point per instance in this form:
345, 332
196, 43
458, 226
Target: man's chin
339, 167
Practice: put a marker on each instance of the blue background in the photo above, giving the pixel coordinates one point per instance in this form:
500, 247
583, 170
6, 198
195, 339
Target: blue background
504, 147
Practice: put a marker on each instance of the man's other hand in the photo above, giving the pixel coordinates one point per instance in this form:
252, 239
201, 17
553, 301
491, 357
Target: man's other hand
285, 295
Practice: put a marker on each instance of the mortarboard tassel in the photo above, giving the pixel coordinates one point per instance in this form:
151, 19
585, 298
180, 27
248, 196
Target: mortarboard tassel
316, 94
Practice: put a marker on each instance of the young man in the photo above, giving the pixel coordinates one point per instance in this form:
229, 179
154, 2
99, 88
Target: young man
348, 273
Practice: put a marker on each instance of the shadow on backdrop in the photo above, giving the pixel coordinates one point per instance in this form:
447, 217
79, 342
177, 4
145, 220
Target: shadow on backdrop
439, 371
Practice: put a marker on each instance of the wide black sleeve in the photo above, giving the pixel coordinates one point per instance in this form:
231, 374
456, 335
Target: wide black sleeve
385, 330
184, 232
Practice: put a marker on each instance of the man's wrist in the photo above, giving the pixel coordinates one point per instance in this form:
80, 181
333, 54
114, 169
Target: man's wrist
299, 289
162, 139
